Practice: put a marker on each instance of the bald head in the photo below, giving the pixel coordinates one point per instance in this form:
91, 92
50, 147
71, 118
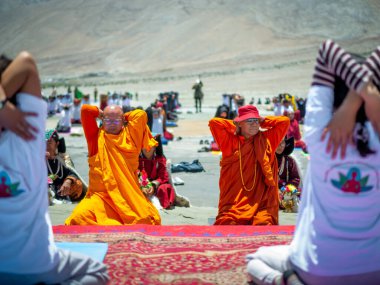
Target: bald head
113, 109
113, 119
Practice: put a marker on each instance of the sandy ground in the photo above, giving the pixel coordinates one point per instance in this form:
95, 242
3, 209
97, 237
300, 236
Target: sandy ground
200, 188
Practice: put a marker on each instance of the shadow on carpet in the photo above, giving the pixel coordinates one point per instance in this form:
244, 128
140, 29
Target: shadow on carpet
142, 254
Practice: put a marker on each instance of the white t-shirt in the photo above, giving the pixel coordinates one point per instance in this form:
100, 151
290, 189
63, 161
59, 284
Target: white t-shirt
26, 243
338, 227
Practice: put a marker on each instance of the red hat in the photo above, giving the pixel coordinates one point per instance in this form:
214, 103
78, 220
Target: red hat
247, 112
159, 105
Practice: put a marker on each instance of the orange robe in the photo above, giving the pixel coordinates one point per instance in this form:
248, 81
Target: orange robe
114, 196
237, 205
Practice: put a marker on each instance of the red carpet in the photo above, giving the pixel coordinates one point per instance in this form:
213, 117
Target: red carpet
151, 255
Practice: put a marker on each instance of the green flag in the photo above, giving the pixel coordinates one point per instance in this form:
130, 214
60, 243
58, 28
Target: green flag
77, 93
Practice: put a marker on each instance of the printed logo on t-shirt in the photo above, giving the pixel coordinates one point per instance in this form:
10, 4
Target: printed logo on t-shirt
7, 188
353, 181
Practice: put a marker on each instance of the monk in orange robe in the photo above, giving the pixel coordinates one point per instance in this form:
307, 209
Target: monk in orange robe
249, 171
114, 196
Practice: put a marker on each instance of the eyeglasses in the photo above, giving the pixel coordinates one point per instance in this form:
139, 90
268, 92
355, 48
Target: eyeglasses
252, 120
110, 121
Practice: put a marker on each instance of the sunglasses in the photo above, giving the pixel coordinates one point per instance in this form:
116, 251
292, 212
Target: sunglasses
110, 121
252, 120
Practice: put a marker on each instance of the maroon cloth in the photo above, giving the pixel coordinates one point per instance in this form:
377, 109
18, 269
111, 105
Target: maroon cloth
294, 130
290, 173
157, 172
297, 115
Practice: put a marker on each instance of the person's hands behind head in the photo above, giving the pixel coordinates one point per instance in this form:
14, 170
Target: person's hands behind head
15, 121
342, 124
371, 96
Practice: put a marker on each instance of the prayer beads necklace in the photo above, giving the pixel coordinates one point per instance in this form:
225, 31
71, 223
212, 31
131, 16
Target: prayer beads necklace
59, 168
241, 173
282, 166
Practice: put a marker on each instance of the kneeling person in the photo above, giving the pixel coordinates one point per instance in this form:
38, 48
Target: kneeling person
114, 196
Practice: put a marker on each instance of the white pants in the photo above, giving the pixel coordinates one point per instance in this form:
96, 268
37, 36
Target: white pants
73, 269
271, 261
267, 263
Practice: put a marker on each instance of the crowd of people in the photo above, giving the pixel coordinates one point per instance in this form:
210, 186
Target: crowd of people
128, 172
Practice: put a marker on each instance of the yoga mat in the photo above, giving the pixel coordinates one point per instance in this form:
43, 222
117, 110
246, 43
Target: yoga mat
95, 250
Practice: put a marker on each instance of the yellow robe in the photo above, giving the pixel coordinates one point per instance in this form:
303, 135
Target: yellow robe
114, 196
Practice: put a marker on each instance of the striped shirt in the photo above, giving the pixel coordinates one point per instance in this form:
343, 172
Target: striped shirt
373, 64
333, 60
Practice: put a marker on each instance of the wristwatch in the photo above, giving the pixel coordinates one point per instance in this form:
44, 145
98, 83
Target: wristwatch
2, 103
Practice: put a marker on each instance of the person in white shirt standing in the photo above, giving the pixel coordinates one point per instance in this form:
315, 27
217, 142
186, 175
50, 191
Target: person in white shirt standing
28, 254
337, 237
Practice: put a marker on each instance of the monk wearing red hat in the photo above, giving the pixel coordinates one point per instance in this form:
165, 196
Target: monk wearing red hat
249, 172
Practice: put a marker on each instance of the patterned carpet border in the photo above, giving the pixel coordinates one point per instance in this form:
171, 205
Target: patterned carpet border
181, 230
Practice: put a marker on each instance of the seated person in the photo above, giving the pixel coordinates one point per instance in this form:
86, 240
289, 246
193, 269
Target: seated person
288, 172
294, 131
287, 166
86, 99
103, 101
75, 119
154, 164
64, 123
337, 235
223, 111
277, 106
157, 123
114, 196
52, 105
65, 180
28, 254
248, 168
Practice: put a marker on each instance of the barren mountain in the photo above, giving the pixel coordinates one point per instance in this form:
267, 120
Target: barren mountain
254, 47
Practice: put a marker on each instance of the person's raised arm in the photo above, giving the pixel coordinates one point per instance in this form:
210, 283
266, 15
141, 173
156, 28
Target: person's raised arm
342, 125
139, 130
371, 94
333, 61
276, 127
90, 127
21, 75
223, 132
371, 97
